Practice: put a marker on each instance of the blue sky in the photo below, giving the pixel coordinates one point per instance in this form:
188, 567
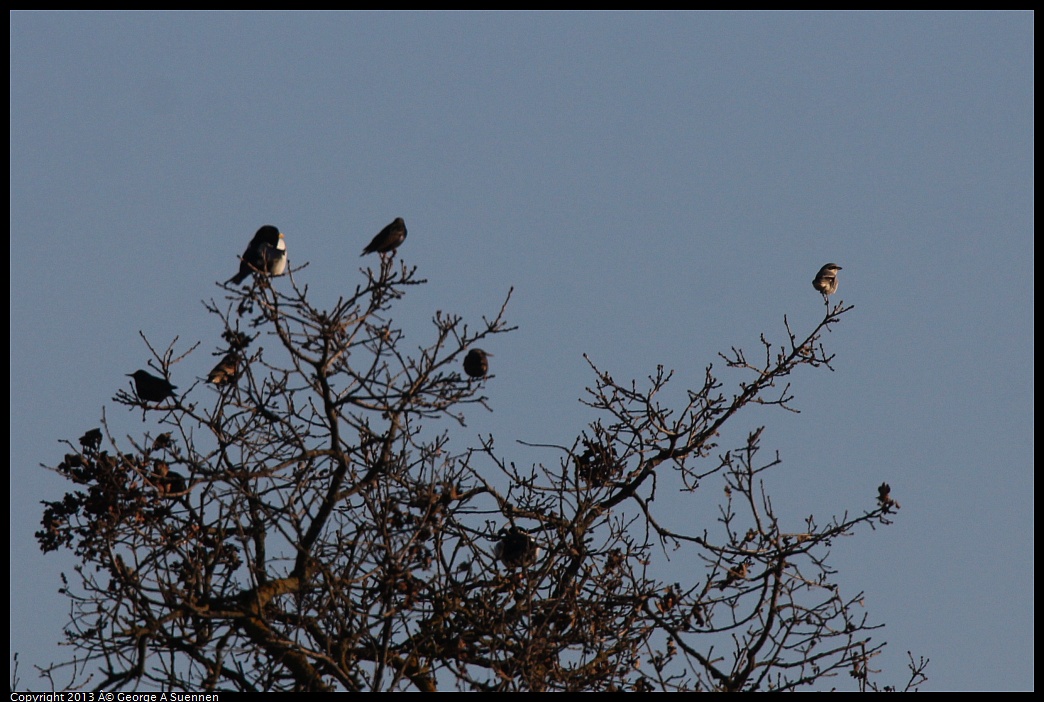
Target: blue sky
656, 187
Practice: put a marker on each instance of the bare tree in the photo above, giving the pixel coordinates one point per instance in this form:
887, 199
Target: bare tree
309, 526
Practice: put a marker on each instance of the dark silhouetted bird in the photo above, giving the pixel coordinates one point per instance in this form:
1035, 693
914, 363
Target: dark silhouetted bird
516, 548
226, 370
826, 279
169, 483
150, 388
389, 238
91, 440
884, 497
266, 253
735, 574
476, 363
162, 441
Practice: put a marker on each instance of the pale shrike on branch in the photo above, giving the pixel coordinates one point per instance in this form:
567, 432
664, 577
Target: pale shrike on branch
826, 280
265, 254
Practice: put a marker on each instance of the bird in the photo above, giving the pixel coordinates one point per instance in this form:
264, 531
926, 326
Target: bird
226, 370
169, 483
150, 388
476, 363
277, 258
162, 441
389, 238
516, 548
885, 499
266, 253
826, 279
91, 440
733, 574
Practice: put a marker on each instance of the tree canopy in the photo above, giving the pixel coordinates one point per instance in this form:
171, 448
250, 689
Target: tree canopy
302, 520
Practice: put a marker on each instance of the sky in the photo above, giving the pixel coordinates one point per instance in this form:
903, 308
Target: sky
656, 187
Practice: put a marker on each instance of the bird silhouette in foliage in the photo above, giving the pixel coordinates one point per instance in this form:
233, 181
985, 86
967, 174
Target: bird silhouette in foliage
388, 239
150, 388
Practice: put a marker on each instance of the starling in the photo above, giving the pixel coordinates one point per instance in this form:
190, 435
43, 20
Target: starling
516, 548
150, 388
389, 239
884, 497
826, 279
91, 440
266, 253
168, 481
476, 363
739, 572
161, 442
226, 370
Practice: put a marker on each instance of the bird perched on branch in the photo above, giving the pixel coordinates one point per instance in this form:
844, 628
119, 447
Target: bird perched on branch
516, 548
826, 279
266, 253
150, 388
226, 370
735, 574
388, 239
476, 363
